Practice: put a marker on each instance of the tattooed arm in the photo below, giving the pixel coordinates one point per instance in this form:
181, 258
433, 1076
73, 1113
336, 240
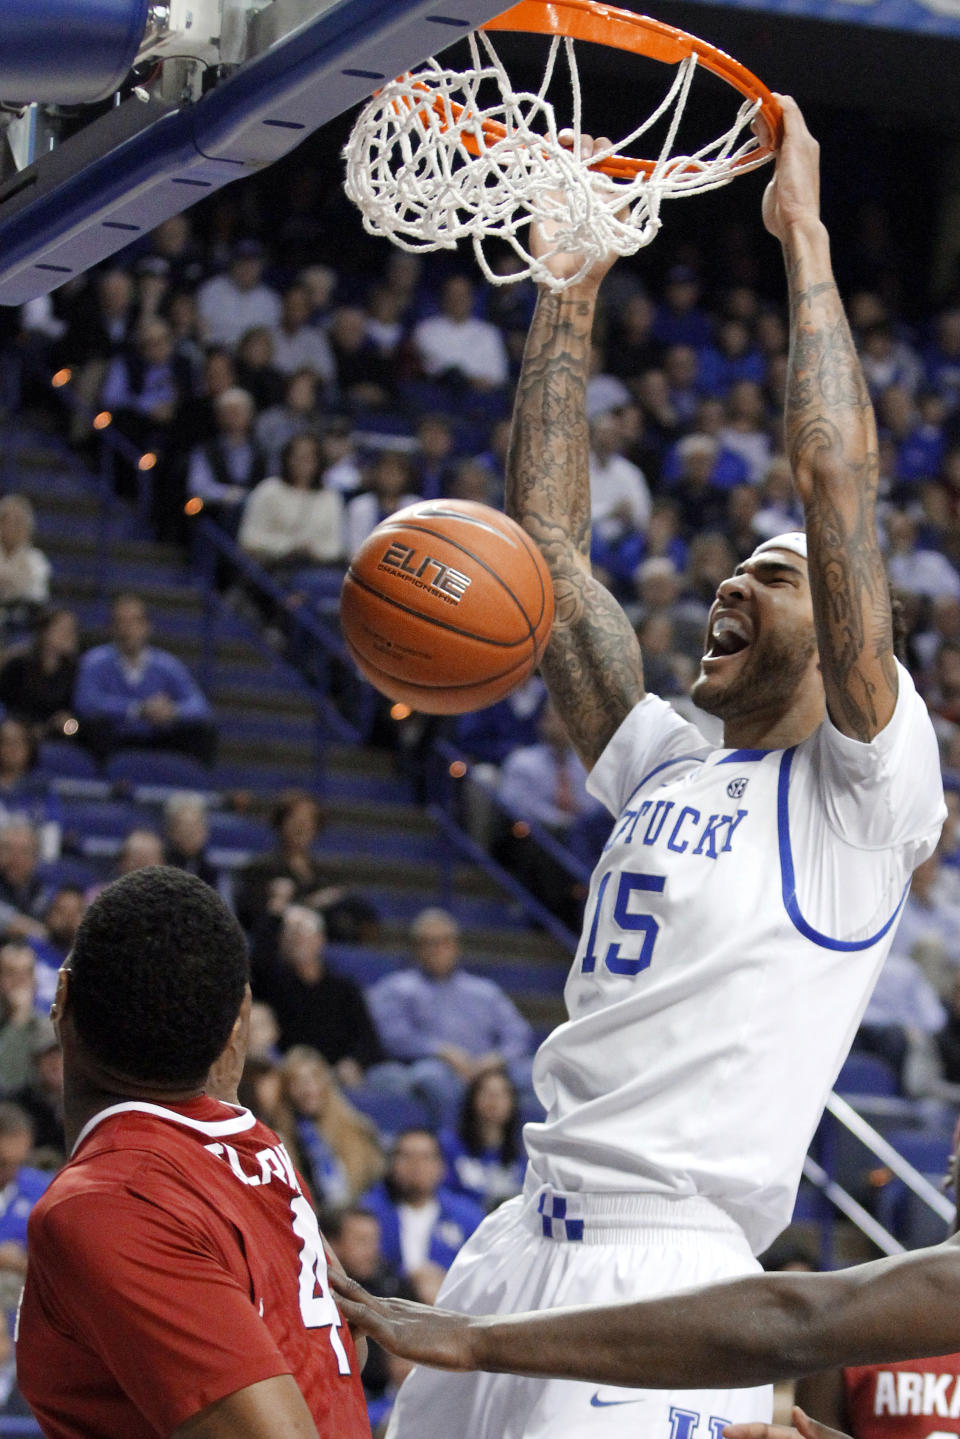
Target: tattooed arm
592, 666
832, 444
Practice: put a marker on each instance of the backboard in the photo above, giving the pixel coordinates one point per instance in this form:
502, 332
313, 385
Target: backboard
249, 95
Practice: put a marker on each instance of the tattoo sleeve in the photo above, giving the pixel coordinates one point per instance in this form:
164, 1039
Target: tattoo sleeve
832, 444
592, 665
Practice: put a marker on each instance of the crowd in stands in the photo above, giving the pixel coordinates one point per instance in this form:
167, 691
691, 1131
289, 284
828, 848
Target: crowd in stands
299, 404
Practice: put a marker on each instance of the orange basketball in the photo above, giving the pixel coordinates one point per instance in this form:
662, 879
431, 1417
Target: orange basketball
447, 606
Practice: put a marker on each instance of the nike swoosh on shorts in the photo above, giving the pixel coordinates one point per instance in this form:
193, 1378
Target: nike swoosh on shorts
597, 1403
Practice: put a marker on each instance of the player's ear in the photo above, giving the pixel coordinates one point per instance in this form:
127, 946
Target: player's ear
61, 997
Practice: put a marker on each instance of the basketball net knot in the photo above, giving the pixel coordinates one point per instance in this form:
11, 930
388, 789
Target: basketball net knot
431, 163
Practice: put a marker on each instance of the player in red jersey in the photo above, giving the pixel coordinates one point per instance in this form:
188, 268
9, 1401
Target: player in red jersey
177, 1280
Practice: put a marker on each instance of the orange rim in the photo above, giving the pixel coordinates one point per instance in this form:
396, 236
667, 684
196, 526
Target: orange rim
639, 35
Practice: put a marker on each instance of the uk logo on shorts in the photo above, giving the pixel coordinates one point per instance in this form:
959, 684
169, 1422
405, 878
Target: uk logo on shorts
687, 1424
561, 1216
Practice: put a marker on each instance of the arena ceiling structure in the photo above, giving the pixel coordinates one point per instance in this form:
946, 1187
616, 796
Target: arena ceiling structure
115, 114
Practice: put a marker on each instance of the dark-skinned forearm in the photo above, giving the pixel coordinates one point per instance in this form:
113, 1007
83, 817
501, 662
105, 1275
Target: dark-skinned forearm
831, 440
752, 1331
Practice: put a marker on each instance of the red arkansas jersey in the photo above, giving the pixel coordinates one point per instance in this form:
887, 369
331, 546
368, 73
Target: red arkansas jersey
174, 1260
916, 1399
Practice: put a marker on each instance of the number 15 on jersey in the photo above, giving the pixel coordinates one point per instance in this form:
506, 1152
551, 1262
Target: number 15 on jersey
630, 889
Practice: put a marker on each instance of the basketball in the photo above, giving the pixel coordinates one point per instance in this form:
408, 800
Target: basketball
447, 606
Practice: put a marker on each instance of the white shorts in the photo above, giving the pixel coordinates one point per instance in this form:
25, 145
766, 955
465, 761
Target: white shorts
545, 1250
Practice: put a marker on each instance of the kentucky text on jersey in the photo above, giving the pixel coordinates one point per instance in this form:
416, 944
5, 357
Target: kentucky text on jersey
681, 828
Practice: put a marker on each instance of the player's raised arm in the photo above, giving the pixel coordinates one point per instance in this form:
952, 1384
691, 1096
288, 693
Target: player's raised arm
592, 666
831, 439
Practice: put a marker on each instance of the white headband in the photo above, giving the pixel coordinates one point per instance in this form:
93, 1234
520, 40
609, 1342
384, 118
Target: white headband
793, 540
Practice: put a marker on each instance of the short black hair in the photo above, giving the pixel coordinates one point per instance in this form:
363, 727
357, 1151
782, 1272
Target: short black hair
158, 972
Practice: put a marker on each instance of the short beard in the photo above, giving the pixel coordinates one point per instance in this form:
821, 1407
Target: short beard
767, 682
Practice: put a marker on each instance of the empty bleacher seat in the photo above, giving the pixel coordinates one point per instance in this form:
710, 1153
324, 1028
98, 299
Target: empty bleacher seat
391, 1113
866, 1074
240, 832
77, 873
157, 768
896, 1206
61, 760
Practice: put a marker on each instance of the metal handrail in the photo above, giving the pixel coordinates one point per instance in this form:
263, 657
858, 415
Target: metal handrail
851, 1208
873, 1140
843, 1113
575, 868
479, 856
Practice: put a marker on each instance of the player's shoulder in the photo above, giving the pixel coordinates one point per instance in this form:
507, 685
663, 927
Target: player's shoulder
651, 736
81, 1199
134, 1158
908, 739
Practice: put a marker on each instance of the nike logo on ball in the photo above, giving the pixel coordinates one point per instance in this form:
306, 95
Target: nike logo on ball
597, 1403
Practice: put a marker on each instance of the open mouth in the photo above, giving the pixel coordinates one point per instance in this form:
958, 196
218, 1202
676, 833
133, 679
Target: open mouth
729, 635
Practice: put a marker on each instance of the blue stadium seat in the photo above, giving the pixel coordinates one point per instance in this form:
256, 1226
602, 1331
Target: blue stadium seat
62, 760
364, 966
235, 831
112, 819
79, 873
391, 1113
157, 767
926, 1149
866, 1074
531, 1110
897, 1207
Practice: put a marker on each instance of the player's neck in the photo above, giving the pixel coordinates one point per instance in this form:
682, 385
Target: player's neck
780, 734
773, 731
87, 1095
776, 727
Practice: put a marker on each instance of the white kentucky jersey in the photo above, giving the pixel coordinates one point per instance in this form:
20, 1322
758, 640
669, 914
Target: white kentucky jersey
736, 923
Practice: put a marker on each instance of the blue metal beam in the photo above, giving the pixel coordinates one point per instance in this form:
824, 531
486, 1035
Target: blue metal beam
141, 163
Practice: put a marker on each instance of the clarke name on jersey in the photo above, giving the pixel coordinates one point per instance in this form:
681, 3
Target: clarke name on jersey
274, 1163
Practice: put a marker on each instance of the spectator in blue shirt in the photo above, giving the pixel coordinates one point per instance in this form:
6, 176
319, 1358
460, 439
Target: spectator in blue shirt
422, 1223
446, 1025
20, 1188
130, 694
485, 1157
145, 384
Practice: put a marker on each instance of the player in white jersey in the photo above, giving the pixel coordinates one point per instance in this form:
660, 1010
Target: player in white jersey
748, 894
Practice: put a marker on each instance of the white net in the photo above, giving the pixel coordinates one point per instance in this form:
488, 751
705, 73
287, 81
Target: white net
431, 163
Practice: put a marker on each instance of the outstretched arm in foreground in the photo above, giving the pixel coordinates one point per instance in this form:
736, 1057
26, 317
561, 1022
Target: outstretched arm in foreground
734, 1335
831, 439
592, 666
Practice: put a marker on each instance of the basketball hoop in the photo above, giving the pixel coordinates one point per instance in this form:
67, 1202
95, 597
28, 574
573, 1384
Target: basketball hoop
439, 155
